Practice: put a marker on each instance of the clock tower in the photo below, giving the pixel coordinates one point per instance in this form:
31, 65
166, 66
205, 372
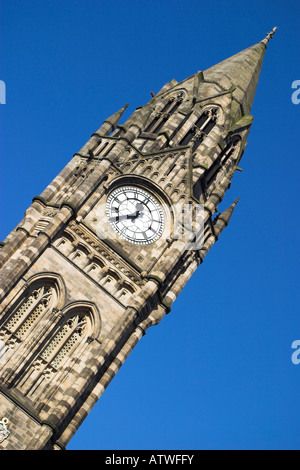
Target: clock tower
104, 251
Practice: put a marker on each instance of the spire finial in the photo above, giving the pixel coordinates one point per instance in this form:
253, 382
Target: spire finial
111, 123
223, 219
269, 36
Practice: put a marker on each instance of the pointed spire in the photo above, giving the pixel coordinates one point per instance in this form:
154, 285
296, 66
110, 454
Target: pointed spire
115, 118
136, 123
242, 71
223, 219
220, 222
110, 123
140, 116
218, 193
144, 116
167, 87
269, 36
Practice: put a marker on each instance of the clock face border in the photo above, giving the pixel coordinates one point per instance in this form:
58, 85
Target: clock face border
152, 205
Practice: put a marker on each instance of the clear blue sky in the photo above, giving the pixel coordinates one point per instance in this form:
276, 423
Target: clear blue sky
217, 372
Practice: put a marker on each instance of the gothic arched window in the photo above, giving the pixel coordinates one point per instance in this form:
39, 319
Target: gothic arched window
201, 128
226, 159
62, 344
33, 305
26, 320
161, 117
54, 353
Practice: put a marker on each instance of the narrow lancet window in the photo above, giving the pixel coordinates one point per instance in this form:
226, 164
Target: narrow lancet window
163, 116
61, 347
201, 128
24, 316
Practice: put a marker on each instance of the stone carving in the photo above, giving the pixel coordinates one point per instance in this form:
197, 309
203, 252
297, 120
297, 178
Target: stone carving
50, 212
111, 257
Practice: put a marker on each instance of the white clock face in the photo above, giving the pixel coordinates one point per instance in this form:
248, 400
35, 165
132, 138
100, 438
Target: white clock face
135, 215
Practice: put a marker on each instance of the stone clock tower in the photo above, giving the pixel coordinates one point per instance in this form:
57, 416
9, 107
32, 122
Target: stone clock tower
104, 251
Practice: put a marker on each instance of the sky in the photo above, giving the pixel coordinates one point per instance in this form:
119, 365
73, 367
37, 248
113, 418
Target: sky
217, 373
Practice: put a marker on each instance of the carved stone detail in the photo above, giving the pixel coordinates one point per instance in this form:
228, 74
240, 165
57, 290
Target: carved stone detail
109, 256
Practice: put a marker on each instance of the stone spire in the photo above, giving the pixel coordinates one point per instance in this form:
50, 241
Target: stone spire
269, 36
110, 123
241, 71
223, 219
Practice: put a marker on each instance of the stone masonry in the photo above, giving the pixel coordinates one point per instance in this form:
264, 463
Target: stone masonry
75, 296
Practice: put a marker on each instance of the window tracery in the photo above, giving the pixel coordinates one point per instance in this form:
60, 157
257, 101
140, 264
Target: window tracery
62, 344
24, 316
58, 349
161, 117
201, 128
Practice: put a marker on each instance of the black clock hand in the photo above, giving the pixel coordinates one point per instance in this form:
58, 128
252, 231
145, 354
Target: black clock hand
139, 211
119, 218
133, 216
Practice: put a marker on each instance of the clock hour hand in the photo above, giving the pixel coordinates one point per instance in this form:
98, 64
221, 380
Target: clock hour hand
119, 218
133, 216
139, 211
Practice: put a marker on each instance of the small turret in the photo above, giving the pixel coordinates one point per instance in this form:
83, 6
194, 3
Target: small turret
111, 123
223, 219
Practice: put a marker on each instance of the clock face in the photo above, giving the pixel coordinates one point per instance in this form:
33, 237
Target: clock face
135, 215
